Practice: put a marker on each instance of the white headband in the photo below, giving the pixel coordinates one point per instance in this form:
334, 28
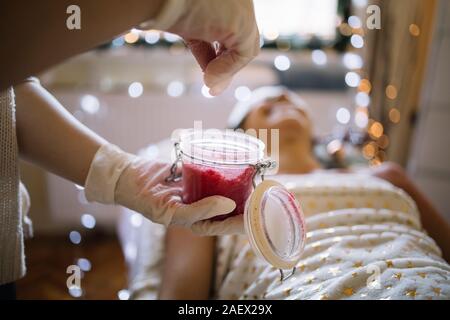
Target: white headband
259, 96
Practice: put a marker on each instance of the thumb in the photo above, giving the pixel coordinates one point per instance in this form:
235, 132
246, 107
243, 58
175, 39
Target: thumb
230, 58
232, 225
219, 71
188, 214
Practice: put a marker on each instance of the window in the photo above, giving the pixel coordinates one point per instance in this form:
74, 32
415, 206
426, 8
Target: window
297, 18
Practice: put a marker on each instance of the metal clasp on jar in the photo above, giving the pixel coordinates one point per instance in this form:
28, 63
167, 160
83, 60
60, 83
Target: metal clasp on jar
262, 167
175, 176
283, 277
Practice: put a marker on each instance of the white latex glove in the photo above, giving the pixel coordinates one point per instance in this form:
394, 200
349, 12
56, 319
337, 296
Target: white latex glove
233, 225
139, 184
202, 23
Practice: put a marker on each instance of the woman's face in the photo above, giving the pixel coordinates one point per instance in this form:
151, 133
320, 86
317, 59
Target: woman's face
281, 113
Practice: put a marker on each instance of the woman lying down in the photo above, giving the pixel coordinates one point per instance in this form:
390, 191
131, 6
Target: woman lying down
371, 235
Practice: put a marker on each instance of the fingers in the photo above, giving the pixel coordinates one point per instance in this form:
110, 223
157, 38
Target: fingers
233, 225
221, 86
203, 52
219, 72
187, 214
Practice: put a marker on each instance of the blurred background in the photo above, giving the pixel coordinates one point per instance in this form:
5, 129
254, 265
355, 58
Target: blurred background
375, 95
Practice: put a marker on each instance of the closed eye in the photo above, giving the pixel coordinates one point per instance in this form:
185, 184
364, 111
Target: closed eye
266, 110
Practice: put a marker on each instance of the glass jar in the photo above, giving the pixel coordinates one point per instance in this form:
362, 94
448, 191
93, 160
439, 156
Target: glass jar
219, 164
227, 163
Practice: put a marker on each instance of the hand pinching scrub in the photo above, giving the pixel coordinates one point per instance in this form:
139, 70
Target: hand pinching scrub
227, 163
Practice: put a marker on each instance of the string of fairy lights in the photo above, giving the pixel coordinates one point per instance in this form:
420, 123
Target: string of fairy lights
355, 118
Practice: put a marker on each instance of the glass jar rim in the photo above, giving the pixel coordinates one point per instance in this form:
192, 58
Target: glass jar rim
221, 147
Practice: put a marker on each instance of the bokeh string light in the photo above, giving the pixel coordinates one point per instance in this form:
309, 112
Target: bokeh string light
88, 222
135, 89
75, 237
352, 61
391, 92
369, 150
414, 30
132, 36
75, 291
170, 37
357, 41
84, 264
352, 79
373, 150
334, 146
343, 115
383, 142
365, 86
394, 115
353, 122
362, 99
354, 22
361, 119
319, 57
123, 294
152, 36
282, 63
175, 88
90, 104
119, 41
376, 130
205, 92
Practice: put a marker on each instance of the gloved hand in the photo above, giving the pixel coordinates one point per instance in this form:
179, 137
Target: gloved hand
202, 23
139, 184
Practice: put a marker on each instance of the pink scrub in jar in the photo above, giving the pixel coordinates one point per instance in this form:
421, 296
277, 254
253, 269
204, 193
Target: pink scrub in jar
225, 163
219, 163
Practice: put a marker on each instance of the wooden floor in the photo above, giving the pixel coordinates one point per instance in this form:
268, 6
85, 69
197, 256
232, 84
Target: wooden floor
48, 258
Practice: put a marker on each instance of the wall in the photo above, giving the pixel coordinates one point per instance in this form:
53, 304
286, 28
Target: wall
430, 159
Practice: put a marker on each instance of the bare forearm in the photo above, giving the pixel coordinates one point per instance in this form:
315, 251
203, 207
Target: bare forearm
435, 224
34, 33
432, 220
188, 267
49, 136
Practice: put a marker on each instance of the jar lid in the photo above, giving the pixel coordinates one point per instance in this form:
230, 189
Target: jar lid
275, 225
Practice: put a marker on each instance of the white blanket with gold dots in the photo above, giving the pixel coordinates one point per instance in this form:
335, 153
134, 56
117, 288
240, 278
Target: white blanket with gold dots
364, 241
